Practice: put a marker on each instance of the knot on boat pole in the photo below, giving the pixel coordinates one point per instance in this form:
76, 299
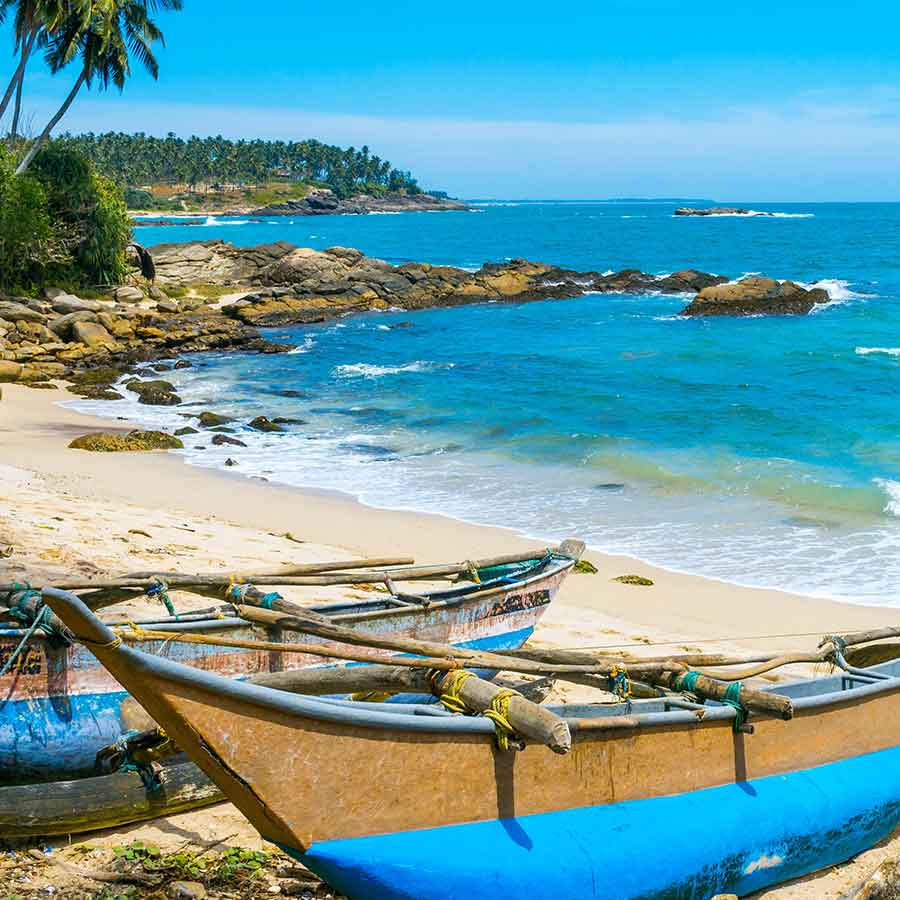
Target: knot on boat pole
159, 588
137, 751
620, 685
836, 654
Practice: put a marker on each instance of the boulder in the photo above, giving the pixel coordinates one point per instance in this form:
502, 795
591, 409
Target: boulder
169, 306
180, 432
116, 441
214, 262
93, 334
154, 393
261, 423
128, 294
9, 371
755, 296
61, 326
210, 419
221, 439
13, 311
69, 303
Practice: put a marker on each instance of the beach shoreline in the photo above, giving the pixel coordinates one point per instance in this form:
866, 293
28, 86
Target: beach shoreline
681, 606
65, 511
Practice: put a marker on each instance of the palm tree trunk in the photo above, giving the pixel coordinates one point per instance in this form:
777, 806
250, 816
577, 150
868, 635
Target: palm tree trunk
26, 53
45, 134
19, 74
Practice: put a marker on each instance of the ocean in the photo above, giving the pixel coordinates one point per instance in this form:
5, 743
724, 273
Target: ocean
759, 451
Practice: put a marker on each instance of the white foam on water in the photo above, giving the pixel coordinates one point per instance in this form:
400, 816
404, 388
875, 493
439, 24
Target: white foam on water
892, 489
212, 220
888, 351
309, 341
367, 370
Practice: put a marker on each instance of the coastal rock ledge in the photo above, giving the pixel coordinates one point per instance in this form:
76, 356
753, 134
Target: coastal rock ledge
756, 297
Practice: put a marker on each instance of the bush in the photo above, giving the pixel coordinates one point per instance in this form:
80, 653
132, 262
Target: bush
135, 198
60, 222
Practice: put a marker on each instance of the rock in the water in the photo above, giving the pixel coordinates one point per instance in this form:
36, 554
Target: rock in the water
262, 423
221, 439
210, 419
756, 296
116, 441
91, 333
10, 371
186, 430
154, 393
230, 462
719, 211
95, 392
184, 364
287, 420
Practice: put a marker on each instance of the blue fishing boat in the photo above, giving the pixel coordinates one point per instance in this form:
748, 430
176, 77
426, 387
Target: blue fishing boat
59, 706
407, 803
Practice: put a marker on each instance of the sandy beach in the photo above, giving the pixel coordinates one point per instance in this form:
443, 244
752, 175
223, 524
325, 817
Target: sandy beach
65, 512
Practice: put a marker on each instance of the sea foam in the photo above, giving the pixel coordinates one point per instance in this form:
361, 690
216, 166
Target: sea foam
888, 351
367, 370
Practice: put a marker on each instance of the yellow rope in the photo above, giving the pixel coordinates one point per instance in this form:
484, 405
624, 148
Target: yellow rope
450, 692
371, 696
499, 715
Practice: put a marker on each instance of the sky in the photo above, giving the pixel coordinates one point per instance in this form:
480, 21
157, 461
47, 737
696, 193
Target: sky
762, 100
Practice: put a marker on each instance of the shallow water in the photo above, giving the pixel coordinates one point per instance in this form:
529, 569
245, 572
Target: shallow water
762, 451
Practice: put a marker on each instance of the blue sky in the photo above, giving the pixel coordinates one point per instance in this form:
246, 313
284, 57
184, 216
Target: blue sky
734, 101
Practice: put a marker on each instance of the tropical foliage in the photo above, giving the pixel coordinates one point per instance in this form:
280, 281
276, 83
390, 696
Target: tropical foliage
60, 222
141, 159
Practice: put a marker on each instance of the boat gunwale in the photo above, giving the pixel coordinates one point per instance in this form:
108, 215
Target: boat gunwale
351, 713
557, 564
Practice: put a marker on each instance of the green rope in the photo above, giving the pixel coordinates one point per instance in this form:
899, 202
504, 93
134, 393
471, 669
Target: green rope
21, 645
686, 682
732, 698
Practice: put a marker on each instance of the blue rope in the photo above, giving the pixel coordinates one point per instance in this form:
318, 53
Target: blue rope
267, 600
159, 588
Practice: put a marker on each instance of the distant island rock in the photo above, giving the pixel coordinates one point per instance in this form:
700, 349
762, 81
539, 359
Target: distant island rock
323, 201
756, 297
720, 211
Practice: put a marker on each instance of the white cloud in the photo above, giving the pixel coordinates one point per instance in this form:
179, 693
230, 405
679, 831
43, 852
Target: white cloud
811, 147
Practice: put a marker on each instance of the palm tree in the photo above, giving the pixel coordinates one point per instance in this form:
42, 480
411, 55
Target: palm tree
104, 40
34, 23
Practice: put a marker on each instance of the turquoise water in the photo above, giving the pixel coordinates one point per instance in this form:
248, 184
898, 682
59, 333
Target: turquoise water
762, 451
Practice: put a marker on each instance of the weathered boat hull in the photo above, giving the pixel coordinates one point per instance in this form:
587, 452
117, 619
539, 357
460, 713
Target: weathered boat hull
59, 706
49, 809
735, 839
662, 803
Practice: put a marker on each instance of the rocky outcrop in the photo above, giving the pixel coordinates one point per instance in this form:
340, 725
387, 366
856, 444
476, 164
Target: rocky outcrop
214, 262
322, 201
306, 285
115, 441
756, 297
720, 211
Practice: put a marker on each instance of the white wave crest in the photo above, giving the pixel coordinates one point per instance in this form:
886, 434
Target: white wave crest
892, 489
836, 288
212, 220
888, 351
366, 370
308, 343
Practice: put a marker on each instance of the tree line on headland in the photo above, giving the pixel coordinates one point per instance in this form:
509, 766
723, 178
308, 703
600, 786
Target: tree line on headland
142, 159
63, 215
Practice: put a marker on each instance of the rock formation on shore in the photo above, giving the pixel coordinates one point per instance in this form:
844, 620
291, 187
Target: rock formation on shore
279, 284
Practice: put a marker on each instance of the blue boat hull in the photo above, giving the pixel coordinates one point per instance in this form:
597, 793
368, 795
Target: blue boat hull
737, 838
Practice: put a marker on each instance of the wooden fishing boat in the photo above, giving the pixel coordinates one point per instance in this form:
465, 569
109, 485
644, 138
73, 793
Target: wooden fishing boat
665, 799
58, 706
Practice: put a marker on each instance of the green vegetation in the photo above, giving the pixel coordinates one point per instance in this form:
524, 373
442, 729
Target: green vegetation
233, 866
136, 160
60, 222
